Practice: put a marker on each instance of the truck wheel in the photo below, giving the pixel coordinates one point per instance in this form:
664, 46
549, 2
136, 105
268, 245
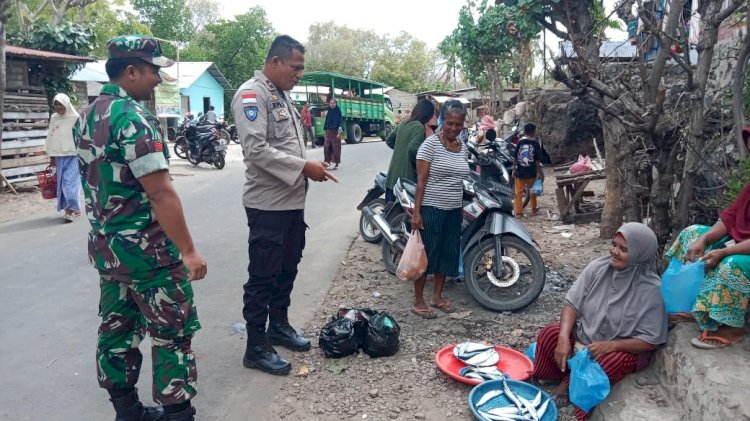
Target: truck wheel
388, 130
353, 133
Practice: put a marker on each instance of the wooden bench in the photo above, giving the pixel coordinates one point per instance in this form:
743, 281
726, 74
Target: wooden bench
571, 188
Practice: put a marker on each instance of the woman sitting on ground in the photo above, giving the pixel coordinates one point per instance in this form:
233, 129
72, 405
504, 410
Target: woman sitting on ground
614, 309
441, 169
725, 248
405, 141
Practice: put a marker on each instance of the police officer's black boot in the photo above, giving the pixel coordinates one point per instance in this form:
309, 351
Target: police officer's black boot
280, 332
129, 408
180, 412
261, 355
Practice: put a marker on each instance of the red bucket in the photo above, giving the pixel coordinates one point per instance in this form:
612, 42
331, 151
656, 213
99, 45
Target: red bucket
47, 183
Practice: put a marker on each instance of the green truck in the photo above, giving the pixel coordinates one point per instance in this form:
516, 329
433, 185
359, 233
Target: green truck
367, 111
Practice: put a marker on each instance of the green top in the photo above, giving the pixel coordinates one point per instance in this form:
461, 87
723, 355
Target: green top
405, 141
118, 142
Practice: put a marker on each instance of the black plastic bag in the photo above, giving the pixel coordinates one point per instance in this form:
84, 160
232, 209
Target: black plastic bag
345, 334
382, 338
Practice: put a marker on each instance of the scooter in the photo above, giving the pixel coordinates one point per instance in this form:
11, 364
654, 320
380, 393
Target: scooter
502, 267
376, 203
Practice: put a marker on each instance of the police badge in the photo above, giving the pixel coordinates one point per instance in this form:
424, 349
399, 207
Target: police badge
251, 113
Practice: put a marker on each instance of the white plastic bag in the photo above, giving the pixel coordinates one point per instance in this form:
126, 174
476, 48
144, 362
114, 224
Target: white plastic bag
413, 262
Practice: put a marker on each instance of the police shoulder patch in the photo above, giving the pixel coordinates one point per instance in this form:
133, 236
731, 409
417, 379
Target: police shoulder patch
251, 113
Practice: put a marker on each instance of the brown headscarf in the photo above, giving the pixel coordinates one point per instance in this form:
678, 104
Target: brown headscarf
621, 304
737, 217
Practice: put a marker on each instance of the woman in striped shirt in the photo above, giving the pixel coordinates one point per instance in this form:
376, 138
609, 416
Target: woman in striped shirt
441, 168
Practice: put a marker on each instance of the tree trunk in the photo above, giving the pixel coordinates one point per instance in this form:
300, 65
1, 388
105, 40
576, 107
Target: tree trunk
695, 142
738, 83
3, 22
661, 191
612, 214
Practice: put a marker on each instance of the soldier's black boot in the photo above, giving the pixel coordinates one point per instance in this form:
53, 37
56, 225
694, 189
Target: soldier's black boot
280, 332
186, 414
261, 355
129, 408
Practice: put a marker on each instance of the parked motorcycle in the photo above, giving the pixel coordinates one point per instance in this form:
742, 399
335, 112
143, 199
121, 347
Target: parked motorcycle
503, 269
208, 147
375, 203
233, 136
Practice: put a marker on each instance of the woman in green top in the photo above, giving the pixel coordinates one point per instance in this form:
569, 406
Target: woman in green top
405, 140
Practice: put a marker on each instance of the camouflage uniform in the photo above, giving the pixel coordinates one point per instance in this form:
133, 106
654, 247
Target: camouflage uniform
143, 282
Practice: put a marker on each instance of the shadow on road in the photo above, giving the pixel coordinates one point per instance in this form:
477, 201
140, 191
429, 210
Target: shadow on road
32, 224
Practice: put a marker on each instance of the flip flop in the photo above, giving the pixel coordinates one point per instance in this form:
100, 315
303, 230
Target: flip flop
700, 341
445, 307
681, 317
425, 314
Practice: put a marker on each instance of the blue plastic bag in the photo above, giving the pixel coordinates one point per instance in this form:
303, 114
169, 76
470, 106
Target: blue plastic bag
531, 352
537, 188
589, 384
680, 285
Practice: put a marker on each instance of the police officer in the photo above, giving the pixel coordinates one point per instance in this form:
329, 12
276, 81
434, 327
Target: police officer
275, 188
139, 240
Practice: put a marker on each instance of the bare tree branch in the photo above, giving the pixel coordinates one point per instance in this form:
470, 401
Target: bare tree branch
738, 82
722, 15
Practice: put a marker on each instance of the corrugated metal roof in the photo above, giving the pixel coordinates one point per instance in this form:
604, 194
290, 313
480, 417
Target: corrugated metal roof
609, 50
13, 51
190, 71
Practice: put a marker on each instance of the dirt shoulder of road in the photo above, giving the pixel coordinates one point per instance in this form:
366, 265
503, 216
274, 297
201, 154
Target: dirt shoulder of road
408, 385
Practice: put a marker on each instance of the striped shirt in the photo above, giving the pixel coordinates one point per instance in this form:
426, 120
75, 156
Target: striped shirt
448, 169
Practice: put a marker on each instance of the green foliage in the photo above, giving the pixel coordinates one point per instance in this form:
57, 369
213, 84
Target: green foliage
404, 63
739, 179
238, 47
333, 48
168, 19
493, 41
601, 19
109, 21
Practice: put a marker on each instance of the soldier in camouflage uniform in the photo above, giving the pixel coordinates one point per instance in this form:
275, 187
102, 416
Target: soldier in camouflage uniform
139, 240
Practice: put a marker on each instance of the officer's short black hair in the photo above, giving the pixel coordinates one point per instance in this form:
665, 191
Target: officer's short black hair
282, 47
115, 67
211, 107
529, 128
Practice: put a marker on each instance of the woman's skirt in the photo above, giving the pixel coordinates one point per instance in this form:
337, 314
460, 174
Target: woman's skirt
68, 183
332, 147
442, 240
726, 288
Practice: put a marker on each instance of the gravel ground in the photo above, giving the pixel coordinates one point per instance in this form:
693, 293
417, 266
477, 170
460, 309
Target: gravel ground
408, 385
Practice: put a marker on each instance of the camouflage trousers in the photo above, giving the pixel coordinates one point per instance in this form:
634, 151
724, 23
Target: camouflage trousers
165, 311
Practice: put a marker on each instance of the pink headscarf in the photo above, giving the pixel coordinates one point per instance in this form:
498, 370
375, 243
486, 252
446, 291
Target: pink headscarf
487, 122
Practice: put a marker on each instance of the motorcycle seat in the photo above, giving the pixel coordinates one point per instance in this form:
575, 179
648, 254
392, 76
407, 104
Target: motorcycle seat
409, 186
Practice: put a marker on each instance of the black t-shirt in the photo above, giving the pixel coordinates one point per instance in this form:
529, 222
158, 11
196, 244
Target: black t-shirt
528, 152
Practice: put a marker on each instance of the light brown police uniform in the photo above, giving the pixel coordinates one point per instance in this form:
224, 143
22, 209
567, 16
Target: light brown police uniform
269, 128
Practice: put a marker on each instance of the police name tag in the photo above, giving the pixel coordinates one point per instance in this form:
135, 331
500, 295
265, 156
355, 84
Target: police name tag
251, 113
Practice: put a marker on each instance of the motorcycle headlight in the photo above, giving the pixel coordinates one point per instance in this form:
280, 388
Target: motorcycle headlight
486, 201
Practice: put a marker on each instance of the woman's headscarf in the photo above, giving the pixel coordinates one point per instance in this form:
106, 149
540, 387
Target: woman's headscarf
60, 133
737, 217
487, 122
621, 304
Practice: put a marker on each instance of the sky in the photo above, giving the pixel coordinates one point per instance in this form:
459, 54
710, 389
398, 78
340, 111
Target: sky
428, 20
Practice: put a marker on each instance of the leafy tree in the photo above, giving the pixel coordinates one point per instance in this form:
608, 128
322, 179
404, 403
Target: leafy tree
204, 12
405, 63
168, 19
340, 49
492, 44
238, 47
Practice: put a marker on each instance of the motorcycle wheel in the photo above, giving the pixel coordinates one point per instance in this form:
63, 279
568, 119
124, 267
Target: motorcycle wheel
391, 254
368, 231
522, 280
219, 161
180, 148
192, 158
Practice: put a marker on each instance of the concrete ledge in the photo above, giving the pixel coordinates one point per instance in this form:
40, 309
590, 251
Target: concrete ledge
705, 384
639, 396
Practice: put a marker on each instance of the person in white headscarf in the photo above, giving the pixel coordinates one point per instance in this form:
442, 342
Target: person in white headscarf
63, 154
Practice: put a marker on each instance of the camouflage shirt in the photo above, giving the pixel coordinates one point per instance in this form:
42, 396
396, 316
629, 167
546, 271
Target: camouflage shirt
118, 142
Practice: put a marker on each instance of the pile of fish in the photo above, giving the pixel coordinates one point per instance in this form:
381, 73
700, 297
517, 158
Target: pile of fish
476, 354
482, 373
520, 409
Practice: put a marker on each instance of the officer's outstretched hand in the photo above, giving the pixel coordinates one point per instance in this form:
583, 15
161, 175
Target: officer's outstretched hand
316, 171
196, 264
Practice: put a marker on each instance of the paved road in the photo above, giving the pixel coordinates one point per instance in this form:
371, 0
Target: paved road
49, 296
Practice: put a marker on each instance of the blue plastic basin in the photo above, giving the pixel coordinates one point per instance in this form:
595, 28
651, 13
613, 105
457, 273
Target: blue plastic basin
525, 390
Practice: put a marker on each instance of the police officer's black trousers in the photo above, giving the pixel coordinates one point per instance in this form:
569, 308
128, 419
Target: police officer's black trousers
275, 246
